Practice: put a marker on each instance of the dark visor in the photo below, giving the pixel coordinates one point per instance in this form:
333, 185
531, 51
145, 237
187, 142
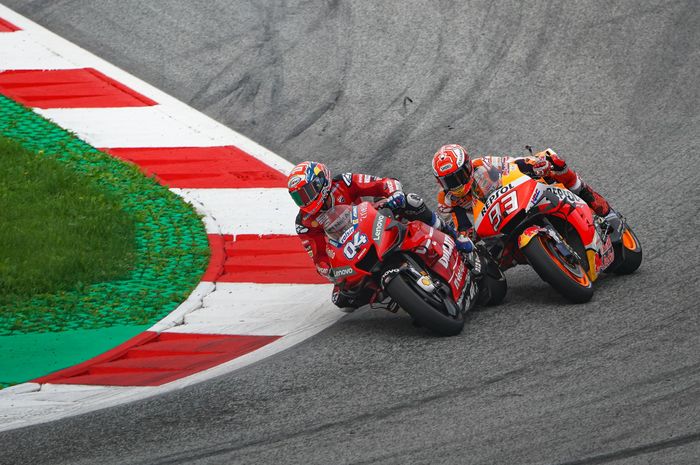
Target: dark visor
455, 180
304, 196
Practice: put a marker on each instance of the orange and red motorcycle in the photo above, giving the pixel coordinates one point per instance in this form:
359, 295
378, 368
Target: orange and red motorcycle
525, 220
408, 264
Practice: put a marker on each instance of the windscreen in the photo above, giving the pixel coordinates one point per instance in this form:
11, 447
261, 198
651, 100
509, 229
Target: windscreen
486, 179
336, 221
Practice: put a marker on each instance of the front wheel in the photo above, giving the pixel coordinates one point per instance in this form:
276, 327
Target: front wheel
631, 250
423, 313
567, 278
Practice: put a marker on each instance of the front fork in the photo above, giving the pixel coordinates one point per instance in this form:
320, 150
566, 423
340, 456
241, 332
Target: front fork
548, 230
435, 291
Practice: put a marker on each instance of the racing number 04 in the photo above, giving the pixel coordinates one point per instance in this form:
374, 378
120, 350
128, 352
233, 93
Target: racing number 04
509, 204
351, 248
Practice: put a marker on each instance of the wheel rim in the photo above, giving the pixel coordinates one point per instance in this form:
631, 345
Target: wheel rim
628, 240
431, 300
575, 272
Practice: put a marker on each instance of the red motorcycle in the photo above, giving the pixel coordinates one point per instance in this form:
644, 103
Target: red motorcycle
408, 264
525, 220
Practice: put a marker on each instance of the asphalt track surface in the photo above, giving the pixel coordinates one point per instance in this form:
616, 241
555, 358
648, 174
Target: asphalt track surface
376, 87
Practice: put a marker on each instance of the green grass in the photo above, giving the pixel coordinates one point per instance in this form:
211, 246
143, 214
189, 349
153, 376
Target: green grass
58, 230
171, 245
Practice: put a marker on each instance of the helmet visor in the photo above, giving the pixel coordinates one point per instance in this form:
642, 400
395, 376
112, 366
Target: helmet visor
457, 179
307, 193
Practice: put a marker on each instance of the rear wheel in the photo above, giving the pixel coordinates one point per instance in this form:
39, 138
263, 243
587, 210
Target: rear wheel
631, 250
569, 279
424, 314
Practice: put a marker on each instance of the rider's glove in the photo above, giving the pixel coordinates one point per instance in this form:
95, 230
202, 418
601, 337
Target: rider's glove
396, 200
558, 163
464, 243
542, 168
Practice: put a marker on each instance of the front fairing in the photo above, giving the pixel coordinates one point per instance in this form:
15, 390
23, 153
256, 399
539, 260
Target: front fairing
496, 209
353, 233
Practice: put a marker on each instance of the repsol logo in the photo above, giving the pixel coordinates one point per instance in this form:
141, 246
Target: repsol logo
494, 195
563, 194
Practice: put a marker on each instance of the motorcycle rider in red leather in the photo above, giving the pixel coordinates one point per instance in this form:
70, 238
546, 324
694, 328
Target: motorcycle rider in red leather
453, 169
314, 190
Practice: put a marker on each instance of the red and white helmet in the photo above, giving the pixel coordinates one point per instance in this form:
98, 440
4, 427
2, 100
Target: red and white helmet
453, 168
309, 184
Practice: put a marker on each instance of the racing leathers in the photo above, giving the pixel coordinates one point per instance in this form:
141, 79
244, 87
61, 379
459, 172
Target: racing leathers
546, 164
350, 189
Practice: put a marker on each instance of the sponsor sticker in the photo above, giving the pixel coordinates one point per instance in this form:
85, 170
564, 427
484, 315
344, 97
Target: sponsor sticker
301, 229
347, 179
346, 235
343, 271
389, 274
378, 227
294, 182
564, 194
494, 195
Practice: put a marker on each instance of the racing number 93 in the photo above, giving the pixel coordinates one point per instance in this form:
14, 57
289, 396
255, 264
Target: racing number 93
509, 203
351, 248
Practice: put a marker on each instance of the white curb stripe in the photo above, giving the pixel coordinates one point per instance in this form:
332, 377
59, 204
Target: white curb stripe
243, 211
18, 50
246, 308
131, 127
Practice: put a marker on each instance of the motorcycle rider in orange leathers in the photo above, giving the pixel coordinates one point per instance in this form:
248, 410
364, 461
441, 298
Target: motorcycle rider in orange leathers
453, 169
314, 191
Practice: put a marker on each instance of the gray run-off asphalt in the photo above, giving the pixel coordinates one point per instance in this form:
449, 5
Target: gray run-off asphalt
377, 87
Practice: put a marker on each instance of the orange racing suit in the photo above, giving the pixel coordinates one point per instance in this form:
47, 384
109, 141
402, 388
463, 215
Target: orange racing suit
460, 207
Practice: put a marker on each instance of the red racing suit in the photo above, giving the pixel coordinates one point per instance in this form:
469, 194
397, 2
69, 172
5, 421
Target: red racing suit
460, 207
347, 189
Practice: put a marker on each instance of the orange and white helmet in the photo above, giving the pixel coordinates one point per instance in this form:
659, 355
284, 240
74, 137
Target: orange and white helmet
309, 184
453, 169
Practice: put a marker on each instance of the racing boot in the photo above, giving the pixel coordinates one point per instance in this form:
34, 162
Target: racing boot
598, 204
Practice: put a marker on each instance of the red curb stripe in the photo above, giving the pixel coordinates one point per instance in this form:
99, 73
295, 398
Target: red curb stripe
6, 26
68, 88
202, 167
266, 259
152, 359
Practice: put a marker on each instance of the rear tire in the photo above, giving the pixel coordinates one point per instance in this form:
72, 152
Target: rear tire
631, 250
570, 281
422, 312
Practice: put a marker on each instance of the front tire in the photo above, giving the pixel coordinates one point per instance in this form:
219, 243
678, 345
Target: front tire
422, 312
569, 280
631, 250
